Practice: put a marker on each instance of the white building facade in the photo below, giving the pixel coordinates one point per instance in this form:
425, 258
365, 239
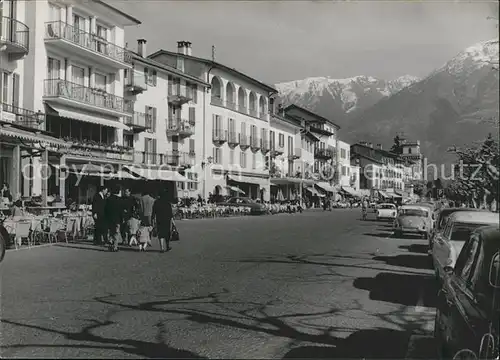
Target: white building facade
236, 136
344, 163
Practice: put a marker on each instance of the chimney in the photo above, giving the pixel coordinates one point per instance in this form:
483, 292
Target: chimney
370, 145
184, 47
141, 47
379, 146
364, 143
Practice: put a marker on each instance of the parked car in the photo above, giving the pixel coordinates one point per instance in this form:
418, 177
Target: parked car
413, 219
468, 308
255, 207
441, 218
386, 211
4, 237
449, 242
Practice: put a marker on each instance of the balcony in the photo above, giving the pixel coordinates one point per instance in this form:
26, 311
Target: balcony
230, 105
14, 35
79, 43
264, 146
179, 127
99, 150
219, 136
242, 109
277, 150
23, 117
148, 158
216, 100
183, 159
253, 113
136, 83
233, 138
138, 122
244, 142
91, 99
325, 154
254, 143
264, 115
179, 95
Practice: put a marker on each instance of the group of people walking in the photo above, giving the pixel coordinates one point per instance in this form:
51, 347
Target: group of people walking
121, 218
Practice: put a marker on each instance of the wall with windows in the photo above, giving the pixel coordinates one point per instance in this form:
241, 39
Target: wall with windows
344, 160
288, 136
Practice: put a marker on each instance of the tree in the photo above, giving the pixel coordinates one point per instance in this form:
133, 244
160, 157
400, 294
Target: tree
476, 173
397, 147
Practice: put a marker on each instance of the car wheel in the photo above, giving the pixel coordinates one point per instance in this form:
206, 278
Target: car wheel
398, 233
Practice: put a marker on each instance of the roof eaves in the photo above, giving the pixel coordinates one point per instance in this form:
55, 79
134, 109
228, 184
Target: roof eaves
319, 117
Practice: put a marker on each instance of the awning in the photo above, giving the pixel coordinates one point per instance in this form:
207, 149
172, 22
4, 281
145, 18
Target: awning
349, 190
313, 191
327, 187
291, 180
158, 174
248, 180
14, 132
61, 112
238, 190
393, 195
121, 175
384, 194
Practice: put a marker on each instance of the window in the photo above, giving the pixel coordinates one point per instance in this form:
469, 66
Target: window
192, 115
281, 140
100, 81
15, 89
78, 24
231, 157
151, 77
254, 161
78, 76
102, 39
217, 123
344, 171
53, 68
243, 159
466, 259
102, 32
342, 153
151, 118
290, 145
272, 139
462, 232
194, 177
128, 140
217, 154
194, 89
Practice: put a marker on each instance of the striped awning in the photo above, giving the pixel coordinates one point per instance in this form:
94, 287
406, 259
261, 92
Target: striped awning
35, 136
248, 180
158, 174
315, 192
325, 186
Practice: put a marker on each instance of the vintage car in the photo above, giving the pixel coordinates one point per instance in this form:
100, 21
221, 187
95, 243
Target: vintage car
413, 219
441, 219
386, 211
449, 242
4, 236
255, 207
468, 306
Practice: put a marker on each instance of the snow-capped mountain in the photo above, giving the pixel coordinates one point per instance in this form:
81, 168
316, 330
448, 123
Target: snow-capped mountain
336, 98
457, 104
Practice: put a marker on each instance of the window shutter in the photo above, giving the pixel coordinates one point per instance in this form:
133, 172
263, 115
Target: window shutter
214, 122
192, 115
15, 90
146, 145
191, 145
154, 119
154, 77
195, 93
146, 74
154, 146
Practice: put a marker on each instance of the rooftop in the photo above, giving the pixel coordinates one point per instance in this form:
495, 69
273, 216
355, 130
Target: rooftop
310, 113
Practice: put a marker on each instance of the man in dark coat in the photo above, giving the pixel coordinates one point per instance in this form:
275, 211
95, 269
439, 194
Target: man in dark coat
114, 217
100, 227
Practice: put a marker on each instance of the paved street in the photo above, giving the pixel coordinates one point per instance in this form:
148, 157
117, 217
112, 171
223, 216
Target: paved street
317, 284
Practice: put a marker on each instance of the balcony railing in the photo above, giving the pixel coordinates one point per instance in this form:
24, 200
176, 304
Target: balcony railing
263, 115
136, 82
95, 149
85, 95
242, 109
294, 154
244, 141
179, 127
215, 100
149, 158
323, 153
23, 117
232, 138
92, 42
264, 145
230, 104
219, 135
179, 158
139, 120
15, 33
254, 142
179, 94
253, 113
278, 149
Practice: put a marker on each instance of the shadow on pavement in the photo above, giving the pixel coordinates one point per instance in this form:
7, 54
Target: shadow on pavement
416, 248
380, 234
130, 346
409, 261
363, 344
408, 290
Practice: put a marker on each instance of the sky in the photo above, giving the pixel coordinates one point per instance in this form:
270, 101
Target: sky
277, 41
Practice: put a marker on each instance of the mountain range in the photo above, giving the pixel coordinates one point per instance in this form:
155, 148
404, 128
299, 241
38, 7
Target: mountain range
456, 104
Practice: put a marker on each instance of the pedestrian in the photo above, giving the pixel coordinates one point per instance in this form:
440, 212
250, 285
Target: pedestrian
5, 193
146, 203
114, 217
128, 207
162, 218
100, 227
